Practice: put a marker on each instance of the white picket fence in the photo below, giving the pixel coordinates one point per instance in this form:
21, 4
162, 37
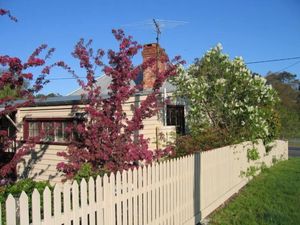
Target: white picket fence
174, 192
158, 194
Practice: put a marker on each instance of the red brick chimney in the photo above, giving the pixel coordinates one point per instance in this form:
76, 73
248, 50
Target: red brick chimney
153, 51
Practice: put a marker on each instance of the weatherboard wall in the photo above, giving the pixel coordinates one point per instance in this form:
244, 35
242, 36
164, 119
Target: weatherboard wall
41, 163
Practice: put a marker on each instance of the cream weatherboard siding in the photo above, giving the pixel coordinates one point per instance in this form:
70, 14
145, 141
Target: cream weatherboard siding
41, 163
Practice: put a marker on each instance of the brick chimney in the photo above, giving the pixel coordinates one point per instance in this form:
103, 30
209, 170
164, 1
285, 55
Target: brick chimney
153, 51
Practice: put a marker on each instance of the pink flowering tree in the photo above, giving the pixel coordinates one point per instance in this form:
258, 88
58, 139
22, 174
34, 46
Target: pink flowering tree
107, 138
14, 75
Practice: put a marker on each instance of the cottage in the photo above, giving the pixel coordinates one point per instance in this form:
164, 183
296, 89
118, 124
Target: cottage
58, 112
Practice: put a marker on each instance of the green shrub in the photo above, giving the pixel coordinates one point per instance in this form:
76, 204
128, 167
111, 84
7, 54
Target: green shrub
224, 95
206, 140
26, 185
252, 154
85, 172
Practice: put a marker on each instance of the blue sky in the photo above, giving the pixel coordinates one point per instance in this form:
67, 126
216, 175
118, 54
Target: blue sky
255, 30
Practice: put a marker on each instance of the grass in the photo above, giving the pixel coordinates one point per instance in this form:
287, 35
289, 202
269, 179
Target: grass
273, 197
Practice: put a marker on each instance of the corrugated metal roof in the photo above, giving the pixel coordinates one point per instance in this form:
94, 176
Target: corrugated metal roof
104, 81
61, 100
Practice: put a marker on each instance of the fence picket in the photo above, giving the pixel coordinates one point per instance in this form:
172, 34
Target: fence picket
75, 201
92, 201
107, 200
145, 192
99, 201
156, 192
24, 209
160, 196
130, 194
149, 191
11, 210
36, 208
152, 194
112, 198
47, 203
67, 203
118, 197
57, 204
165, 204
83, 205
140, 195
135, 202
125, 197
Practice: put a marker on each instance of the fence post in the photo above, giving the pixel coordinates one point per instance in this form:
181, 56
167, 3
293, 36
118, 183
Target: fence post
197, 180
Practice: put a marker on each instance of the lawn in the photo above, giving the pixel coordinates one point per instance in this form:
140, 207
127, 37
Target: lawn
273, 197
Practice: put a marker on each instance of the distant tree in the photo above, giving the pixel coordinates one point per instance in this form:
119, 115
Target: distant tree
289, 106
50, 95
282, 77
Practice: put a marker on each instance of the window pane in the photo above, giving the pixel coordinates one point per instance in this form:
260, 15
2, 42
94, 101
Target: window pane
33, 129
48, 131
60, 134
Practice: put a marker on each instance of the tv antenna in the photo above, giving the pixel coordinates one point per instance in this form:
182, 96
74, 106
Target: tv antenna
157, 29
157, 25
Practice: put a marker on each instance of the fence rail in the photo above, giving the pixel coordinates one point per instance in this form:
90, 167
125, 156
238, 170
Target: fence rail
164, 193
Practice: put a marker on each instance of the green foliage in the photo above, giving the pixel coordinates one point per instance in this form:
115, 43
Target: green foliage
290, 120
86, 171
7, 91
251, 171
252, 154
224, 96
209, 139
50, 95
26, 185
289, 107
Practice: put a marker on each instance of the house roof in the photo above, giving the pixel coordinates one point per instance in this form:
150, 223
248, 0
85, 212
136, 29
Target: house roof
60, 100
104, 82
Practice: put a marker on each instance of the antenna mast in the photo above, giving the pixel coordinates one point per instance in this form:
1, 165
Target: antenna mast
157, 29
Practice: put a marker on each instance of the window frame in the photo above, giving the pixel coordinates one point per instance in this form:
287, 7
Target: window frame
68, 120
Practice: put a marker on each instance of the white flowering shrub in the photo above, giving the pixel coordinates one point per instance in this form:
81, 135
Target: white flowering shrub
226, 97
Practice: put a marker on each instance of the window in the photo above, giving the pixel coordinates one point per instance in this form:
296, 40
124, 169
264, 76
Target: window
175, 117
49, 130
